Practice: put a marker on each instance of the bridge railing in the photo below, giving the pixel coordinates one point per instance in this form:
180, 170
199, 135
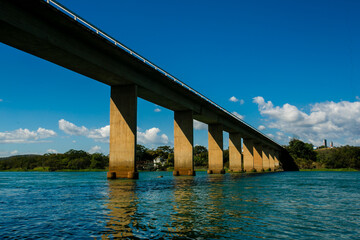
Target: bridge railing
138, 56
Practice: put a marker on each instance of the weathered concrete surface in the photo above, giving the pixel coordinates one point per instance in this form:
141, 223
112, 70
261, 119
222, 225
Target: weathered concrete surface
123, 118
215, 145
265, 156
258, 161
35, 27
276, 160
248, 154
235, 156
271, 159
183, 143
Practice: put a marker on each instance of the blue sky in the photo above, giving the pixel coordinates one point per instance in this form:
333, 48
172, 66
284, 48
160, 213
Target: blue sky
291, 69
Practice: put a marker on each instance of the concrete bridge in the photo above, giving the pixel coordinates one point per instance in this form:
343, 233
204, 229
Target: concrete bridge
48, 30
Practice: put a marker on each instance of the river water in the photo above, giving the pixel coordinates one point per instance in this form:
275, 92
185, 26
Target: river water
85, 205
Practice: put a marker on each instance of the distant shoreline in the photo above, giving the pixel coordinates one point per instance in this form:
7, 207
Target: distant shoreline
329, 170
197, 170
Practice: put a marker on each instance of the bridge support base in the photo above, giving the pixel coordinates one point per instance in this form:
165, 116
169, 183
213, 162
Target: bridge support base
248, 156
215, 144
258, 160
266, 161
183, 144
235, 156
123, 111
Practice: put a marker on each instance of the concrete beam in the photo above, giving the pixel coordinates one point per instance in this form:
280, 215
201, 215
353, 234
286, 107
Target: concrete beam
36, 27
183, 143
123, 118
235, 156
215, 145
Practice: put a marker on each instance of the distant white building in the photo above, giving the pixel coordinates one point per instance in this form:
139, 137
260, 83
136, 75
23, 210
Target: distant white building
159, 161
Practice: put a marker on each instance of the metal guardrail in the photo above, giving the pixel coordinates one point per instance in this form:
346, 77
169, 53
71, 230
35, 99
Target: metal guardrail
138, 56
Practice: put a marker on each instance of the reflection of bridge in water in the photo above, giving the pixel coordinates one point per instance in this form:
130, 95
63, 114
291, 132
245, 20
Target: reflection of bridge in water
48, 30
185, 207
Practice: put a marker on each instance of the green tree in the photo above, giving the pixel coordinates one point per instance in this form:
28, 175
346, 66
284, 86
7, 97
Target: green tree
299, 149
200, 156
99, 161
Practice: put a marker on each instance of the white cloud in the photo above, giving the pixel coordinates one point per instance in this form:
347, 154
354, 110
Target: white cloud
199, 125
151, 137
233, 99
95, 149
327, 120
238, 115
261, 127
157, 110
26, 136
51, 151
14, 152
98, 134
72, 129
357, 98
270, 135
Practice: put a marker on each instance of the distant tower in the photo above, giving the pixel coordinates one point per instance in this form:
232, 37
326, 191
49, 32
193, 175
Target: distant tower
331, 144
325, 143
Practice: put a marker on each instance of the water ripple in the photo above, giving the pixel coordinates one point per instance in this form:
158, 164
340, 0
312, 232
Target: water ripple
299, 205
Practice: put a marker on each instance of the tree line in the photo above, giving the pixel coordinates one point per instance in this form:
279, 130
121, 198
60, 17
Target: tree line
79, 160
306, 157
303, 153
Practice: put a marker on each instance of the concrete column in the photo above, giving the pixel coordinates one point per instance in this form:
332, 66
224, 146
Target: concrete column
258, 161
276, 161
215, 138
183, 143
235, 156
123, 117
265, 156
271, 159
248, 156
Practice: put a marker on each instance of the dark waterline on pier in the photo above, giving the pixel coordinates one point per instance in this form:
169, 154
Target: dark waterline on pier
82, 205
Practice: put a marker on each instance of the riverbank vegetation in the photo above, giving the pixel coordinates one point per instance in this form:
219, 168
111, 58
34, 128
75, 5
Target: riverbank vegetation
338, 158
161, 158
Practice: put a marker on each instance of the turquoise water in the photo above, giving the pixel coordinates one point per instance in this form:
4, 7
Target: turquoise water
73, 205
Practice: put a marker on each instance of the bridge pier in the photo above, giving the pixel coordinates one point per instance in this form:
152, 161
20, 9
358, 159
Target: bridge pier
258, 161
271, 159
276, 161
183, 143
235, 156
248, 156
123, 120
265, 156
215, 145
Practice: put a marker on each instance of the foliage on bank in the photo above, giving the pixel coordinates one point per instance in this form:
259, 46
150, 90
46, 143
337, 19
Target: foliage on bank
77, 160
346, 157
71, 160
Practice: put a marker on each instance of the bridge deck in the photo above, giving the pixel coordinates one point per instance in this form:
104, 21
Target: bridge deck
54, 34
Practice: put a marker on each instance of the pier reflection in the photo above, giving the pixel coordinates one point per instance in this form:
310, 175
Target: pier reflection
197, 210
122, 205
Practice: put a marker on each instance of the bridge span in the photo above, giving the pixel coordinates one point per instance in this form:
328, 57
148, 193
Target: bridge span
48, 30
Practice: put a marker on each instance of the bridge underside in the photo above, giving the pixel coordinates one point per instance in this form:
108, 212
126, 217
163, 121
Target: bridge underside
35, 27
